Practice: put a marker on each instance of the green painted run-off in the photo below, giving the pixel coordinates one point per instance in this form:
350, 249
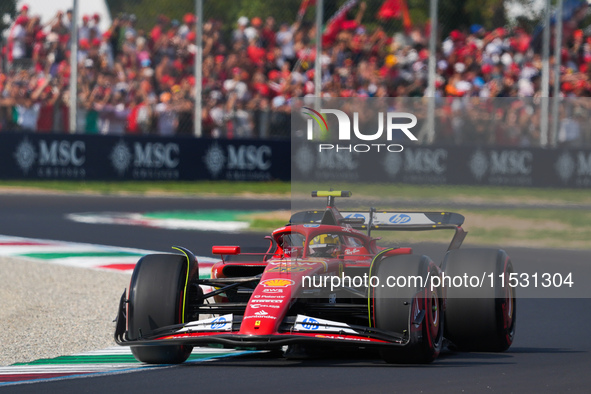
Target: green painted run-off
106, 359
214, 215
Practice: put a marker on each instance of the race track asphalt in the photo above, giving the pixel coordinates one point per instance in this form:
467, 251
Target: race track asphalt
43, 216
551, 352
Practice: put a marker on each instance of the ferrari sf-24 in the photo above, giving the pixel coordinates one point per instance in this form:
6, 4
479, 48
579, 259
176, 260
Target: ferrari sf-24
324, 283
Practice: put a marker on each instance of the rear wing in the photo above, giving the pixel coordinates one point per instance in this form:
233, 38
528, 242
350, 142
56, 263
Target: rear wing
402, 221
383, 220
389, 220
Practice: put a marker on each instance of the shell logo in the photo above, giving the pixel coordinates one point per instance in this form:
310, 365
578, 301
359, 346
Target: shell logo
277, 283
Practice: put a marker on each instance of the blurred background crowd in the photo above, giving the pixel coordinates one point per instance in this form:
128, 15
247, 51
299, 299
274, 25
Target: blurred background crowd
138, 76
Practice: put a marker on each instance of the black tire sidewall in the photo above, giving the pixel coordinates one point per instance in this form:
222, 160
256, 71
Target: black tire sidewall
393, 306
156, 299
475, 316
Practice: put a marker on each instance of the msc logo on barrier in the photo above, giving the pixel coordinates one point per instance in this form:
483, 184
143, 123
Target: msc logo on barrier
575, 167
54, 159
147, 160
240, 162
391, 119
509, 167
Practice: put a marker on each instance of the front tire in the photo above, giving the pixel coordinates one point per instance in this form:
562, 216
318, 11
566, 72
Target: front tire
480, 319
157, 293
415, 311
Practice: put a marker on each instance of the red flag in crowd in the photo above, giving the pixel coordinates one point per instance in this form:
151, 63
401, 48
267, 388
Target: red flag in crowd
304, 6
395, 9
335, 23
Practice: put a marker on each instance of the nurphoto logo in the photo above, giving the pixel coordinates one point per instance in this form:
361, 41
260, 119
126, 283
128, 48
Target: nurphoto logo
390, 119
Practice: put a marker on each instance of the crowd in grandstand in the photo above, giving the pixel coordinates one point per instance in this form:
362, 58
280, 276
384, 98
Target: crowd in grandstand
142, 82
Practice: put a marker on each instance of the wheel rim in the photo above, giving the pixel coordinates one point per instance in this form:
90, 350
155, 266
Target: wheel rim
508, 308
434, 315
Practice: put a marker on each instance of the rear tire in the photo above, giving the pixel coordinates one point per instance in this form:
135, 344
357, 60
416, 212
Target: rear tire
396, 308
156, 299
480, 318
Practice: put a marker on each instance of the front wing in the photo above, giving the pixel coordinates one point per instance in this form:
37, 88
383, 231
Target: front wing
224, 330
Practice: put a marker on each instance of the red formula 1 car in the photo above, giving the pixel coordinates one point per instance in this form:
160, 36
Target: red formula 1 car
324, 282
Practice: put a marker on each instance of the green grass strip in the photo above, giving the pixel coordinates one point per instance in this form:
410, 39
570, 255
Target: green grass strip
303, 189
214, 214
140, 187
491, 194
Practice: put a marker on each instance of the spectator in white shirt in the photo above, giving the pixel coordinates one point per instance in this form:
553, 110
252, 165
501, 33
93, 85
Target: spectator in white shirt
167, 116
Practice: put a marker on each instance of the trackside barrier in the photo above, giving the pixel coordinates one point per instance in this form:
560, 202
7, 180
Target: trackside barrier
443, 165
95, 157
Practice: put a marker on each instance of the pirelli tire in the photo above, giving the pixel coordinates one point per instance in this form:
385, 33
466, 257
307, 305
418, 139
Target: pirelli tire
414, 311
157, 295
480, 318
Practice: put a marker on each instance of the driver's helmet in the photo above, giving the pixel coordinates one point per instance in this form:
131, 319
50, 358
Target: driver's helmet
325, 245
